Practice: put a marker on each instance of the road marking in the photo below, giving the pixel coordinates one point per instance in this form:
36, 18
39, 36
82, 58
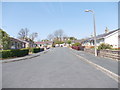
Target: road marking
106, 71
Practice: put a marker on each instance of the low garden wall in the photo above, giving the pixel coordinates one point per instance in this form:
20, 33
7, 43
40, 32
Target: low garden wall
114, 54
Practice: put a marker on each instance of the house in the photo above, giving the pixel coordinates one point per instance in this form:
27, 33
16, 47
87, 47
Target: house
14, 43
46, 44
109, 37
77, 41
29, 43
18, 43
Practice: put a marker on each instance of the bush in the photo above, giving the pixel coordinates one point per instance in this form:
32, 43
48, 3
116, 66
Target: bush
92, 46
104, 46
26, 52
36, 50
6, 53
14, 53
59, 42
30, 49
69, 42
76, 44
115, 48
41, 49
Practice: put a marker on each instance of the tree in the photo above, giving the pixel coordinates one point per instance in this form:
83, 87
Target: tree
4, 40
73, 38
69, 42
56, 34
58, 42
44, 40
59, 34
23, 33
50, 37
33, 36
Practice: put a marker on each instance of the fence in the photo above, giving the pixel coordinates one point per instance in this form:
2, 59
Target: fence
114, 54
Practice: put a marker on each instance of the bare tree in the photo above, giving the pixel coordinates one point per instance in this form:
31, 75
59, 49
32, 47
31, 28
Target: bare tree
56, 34
50, 37
33, 36
23, 33
59, 34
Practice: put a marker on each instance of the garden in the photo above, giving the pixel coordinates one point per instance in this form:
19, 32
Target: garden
13, 53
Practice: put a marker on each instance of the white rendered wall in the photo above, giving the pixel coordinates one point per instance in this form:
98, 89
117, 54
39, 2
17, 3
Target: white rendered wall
112, 39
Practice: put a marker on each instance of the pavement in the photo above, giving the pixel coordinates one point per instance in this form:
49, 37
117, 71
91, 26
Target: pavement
58, 68
109, 64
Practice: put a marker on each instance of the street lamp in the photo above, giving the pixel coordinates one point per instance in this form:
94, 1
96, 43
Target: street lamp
94, 30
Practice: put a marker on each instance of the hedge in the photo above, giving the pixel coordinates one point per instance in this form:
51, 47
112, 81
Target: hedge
36, 50
14, 53
41, 49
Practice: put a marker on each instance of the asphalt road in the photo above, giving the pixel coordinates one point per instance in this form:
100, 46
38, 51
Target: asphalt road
58, 68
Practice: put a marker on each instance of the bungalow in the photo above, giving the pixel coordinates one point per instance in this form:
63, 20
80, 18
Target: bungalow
18, 43
46, 44
29, 43
112, 38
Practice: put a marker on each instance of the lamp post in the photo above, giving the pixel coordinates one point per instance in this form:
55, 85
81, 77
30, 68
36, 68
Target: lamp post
94, 30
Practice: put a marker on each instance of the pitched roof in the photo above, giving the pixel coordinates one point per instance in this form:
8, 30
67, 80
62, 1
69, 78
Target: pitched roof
77, 41
106, 34
102, 35
46, 42
16, 39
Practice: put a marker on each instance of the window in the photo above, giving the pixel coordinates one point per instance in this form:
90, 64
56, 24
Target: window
118, 36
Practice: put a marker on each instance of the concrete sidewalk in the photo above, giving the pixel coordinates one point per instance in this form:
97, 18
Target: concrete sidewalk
109, 64
24, 58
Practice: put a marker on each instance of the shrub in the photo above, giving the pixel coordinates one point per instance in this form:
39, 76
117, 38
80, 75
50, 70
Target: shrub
30, 49
76, 44
41, 49
25, 50
115, 48
104, 46
92, 46
6, 53
59, 42
36, 50
69, 42
14, 53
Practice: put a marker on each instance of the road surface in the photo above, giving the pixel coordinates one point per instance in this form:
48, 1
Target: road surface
58, 68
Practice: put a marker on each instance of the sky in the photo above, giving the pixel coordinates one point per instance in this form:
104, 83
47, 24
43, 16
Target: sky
46, 17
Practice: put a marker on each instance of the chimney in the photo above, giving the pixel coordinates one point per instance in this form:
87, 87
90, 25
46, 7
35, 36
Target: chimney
106, 30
